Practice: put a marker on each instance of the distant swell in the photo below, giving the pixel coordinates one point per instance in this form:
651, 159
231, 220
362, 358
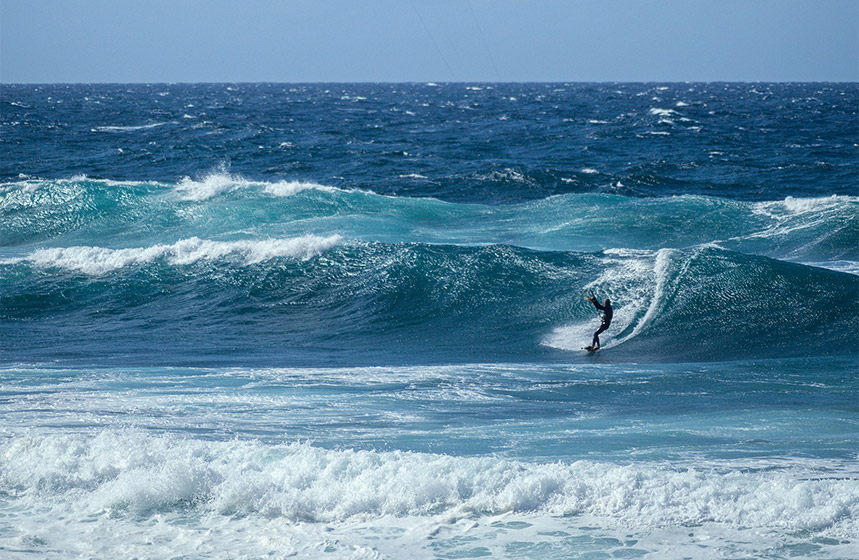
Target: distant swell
83, 211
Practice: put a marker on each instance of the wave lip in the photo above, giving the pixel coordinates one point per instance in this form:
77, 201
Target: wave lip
100, 260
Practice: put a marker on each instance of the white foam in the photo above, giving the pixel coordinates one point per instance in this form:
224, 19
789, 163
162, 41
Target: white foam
797, 206
662, 112
211, 185
101, 260
574, 336
131, 473
289, 188
221, 182
128, 128
828, 215
30, 185
507, 174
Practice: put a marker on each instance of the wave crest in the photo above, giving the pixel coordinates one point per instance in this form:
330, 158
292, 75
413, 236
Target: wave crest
101, 260
220, 182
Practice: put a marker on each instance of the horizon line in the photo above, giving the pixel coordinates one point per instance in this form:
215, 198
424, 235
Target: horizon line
435, 82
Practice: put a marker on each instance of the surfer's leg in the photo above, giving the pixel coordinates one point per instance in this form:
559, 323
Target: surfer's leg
596, 342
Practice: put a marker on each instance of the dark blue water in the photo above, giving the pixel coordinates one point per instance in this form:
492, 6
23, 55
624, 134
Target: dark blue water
346, 321
482, 143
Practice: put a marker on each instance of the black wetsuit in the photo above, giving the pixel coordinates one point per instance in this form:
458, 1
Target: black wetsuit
606, 321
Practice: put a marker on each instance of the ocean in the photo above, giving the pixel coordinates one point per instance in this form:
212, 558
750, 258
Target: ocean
346, 321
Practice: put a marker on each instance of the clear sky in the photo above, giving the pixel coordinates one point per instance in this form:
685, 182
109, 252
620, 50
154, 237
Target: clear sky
45, 41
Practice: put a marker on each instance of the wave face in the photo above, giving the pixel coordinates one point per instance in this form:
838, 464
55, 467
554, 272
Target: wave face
309, 272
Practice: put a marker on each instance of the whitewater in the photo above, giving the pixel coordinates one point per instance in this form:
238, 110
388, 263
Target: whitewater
346, 321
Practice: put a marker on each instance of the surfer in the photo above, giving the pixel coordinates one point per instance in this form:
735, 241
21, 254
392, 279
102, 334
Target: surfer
607, 313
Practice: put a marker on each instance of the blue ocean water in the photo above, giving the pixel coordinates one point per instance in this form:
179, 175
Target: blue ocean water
347, 320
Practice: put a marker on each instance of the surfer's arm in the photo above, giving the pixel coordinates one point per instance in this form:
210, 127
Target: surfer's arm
597, 304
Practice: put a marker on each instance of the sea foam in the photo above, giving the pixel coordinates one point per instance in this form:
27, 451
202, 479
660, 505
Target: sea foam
131, 473
792, 206
221, 182
128, 128
101, 260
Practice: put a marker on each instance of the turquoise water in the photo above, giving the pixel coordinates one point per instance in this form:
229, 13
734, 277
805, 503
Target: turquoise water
520, 460
346, 321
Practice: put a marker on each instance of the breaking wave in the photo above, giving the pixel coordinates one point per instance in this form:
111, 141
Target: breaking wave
130, 473
80, 211
100, 260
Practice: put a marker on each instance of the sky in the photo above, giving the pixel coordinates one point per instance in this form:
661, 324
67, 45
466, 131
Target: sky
86, 41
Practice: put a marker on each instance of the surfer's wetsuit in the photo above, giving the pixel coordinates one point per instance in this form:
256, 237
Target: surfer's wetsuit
606, 320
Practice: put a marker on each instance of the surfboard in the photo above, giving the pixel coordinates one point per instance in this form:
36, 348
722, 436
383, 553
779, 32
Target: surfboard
591, 349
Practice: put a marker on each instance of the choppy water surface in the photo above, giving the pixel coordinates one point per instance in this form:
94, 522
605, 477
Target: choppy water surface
345, 321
